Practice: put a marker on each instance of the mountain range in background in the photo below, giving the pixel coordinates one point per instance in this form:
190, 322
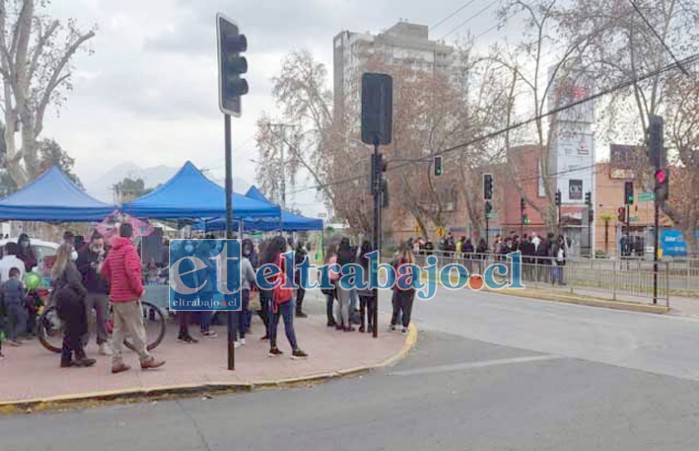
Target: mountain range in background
101, 187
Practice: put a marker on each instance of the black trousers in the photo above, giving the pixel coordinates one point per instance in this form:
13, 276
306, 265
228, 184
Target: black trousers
402, 307
300, 294
366, 311
72, 313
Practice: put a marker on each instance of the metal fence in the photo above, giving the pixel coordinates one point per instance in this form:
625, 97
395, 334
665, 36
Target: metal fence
616, 279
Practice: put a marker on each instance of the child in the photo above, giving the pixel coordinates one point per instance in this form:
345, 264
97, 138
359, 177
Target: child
14, 298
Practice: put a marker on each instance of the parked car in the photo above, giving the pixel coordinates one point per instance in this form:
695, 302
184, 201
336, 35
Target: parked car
42, 249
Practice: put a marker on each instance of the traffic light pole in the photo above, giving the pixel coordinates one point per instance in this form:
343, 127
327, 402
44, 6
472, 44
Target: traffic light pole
487, 231
229, 231
376, 187
656, 243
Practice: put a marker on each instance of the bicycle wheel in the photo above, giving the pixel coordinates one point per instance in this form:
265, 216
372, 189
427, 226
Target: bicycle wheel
50, 330
154, 323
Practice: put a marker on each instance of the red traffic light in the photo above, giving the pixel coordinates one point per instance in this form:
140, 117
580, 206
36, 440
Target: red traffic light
660, 176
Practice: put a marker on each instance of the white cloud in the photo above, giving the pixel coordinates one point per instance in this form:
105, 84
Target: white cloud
149, 92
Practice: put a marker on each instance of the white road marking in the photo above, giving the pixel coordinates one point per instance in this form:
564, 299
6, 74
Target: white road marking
472, 365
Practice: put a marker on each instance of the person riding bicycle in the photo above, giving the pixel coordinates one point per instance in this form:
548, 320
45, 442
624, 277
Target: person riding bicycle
122, 268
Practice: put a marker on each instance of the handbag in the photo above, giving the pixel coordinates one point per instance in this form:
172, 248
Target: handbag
254, 303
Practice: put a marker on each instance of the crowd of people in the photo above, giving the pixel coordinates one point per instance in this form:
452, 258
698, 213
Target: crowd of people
345, 301
107, 282
543, 258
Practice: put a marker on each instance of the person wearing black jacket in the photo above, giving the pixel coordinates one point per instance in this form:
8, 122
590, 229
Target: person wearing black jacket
345, 256
89, 263
299, 256
69, 297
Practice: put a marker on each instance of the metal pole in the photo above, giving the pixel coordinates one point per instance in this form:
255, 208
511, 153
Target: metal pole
229, 232
521, 220
590, 221
487, 232
283, 181
376, 170
656, 243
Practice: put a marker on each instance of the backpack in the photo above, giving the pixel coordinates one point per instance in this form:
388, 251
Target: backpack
282, 293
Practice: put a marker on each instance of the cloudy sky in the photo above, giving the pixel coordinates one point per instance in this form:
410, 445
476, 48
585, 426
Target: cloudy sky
148, 94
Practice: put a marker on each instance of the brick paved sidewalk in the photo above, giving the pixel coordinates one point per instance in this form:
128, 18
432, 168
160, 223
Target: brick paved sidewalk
31, 373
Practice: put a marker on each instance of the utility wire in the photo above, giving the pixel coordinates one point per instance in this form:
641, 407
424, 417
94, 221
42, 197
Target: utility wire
623, 85
461, 8
487, 7
657, 35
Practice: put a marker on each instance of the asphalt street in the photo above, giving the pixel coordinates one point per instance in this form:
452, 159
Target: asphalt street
489, 372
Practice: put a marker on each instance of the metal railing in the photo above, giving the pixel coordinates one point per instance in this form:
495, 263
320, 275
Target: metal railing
630, 279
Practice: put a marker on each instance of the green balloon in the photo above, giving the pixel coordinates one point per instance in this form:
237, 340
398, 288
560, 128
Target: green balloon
32, 280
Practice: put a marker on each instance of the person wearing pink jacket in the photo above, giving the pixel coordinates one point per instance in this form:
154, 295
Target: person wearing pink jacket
122, 268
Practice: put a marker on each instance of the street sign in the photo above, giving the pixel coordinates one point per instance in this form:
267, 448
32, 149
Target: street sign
646, 197
492, 215
633, 219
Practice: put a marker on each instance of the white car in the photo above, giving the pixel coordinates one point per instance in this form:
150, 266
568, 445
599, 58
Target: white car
41, 248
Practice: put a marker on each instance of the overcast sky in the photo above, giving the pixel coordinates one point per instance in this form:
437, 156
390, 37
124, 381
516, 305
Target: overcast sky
148, 94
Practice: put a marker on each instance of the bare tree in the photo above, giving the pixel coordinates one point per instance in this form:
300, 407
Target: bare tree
35, 64
623, 47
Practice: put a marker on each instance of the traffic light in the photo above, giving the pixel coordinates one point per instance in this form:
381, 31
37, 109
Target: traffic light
488, 186
230, 65
588, 199
662, 185
437, 165
558, 198
525, 219
488, 207
622, 214
655, 142
628, 193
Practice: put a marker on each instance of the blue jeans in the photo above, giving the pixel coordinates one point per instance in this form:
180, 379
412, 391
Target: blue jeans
285, 310
354, 301
16, 320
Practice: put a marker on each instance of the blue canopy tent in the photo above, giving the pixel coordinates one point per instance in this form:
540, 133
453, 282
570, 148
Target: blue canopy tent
290, 222
53, 197
189, 194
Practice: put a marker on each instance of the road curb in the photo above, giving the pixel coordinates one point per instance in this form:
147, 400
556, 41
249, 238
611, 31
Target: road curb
174, 391
588, 301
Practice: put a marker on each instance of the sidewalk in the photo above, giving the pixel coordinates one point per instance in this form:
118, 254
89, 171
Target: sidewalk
31, 375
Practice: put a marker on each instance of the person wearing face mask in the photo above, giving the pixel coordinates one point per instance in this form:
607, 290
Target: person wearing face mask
26, 253
90, 261
122, 268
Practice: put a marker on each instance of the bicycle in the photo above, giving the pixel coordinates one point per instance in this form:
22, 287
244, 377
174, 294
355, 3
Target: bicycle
50, 327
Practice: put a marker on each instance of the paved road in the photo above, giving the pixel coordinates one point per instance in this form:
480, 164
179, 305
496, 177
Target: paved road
489, 373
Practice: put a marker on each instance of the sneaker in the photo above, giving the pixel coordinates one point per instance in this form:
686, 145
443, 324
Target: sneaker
361, 329
120, 367
331, 324
236, 344
392, 328
349, 329
242, 342
187, 339
84, 362
209, 334
105, 349
301, 315
151, 363
14, 343
405, 330
298, 354
274, 352
266, 337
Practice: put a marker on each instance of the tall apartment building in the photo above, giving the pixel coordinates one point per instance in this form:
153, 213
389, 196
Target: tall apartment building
405, 44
